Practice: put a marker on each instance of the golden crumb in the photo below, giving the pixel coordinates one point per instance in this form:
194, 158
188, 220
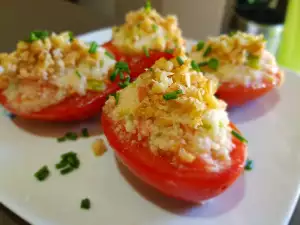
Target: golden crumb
99, 147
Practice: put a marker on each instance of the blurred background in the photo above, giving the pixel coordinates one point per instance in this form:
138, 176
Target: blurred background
198, 19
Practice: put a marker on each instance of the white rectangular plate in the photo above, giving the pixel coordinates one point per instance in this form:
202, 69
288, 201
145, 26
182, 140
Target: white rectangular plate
264, 196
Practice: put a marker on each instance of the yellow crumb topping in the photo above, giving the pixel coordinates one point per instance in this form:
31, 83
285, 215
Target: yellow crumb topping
146, 29
173, 106
59, 63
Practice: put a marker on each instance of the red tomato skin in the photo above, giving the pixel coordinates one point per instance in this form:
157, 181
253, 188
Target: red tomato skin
137, 62
189, 182
73, 108
238, 95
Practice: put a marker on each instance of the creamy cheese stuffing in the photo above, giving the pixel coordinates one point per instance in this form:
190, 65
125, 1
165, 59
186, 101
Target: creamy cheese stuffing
42, 72
173, 107
239, 58
146, 29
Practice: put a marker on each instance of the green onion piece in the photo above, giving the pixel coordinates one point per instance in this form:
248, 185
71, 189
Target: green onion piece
109, 55
95, 85
200, 45
195, 66
78, 73
249, 164
93, 47
37, 35
122, 66
73, 161
71, 136
232, 33
61, 139
253, 61
101, 63
172, 95
85, 203
114, 74
117, 97
85, 132
238, 136
71, 35
125, 83
202, 64
42, 173
121, 75
61, 164
154, 27
32, 37
179, 60
171, 51
148, 6
146, 51
207, 51
213, 63
66, 170
66, 155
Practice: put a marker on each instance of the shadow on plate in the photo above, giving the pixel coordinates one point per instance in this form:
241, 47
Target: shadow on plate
51, 129
218, 206
254, 109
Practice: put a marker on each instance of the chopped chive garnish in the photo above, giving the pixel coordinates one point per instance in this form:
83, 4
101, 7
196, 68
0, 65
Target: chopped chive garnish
71, 136
73, 161
249, 164
195, 66
71, 36
121, 75
125, 83
117, 97
148, 6
213, 63
207, 51
114, 74
78, 73
146, 51
37, 35
200, 45
172, 95
93, 47
101, 63
171, 51
179, 60
253, 61
85, 203
85, 132
123, 66
42, 173
232, 33
61, 164
202, 64
66, 170
154, 27
66, 155
108, 54
61, 139
238, 136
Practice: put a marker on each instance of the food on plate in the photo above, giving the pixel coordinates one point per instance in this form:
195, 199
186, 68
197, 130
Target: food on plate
145, 37
99, 147
57, 77
85, 204
244, 68
172, 132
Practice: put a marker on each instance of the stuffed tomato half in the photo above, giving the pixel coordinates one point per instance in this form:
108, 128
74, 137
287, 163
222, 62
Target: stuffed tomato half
171, 131
144, 38
244, 68
56, 77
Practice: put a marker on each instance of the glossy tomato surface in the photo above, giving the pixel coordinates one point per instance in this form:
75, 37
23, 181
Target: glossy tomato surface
73, 108
138, 62
190, 181
237, 95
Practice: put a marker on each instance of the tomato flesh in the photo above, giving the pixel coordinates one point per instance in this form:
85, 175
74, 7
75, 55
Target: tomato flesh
237, 95
73, 108
137, 62
190, 181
